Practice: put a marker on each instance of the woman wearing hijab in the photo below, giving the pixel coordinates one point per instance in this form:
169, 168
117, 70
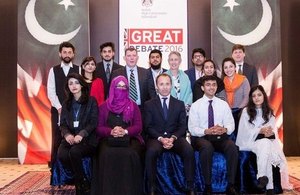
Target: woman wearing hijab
118, 163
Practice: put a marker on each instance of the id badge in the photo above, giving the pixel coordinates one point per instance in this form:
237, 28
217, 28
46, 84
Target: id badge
76, 123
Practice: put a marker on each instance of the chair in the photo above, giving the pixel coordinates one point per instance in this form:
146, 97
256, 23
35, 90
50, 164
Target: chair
62, 176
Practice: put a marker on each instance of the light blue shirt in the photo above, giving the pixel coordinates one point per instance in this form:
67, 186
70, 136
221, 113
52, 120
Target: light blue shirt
136, 77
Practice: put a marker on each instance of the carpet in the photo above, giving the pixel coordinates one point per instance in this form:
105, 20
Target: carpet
35, 182
38, 182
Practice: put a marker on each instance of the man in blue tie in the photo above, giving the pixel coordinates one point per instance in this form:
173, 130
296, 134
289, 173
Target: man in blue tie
165, 126
210, 123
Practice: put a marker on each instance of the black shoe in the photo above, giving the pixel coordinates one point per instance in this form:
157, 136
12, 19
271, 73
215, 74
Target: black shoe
152, 190
207, 190
262, 182
84, 187
270, 192
191, 192
231, 191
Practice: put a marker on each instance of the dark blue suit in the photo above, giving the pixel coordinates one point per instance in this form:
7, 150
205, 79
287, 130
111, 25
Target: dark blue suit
156, 126
151, 83
192, 76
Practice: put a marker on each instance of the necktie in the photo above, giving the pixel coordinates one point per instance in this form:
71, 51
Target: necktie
165, 108
107, 72
240, 69
132, 87
210, 115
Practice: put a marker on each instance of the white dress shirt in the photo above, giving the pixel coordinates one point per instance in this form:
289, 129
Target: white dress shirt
198, 116
51, 88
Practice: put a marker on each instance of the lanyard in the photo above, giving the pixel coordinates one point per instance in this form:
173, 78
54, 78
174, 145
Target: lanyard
76, 112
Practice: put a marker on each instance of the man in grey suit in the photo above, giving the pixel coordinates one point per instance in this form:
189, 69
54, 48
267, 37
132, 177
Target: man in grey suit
238, 54
136, 77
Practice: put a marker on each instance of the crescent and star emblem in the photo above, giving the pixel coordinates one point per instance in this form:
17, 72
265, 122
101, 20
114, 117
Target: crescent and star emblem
255, 35
42, 35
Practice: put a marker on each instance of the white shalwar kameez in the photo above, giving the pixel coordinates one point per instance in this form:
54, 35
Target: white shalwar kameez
268, 151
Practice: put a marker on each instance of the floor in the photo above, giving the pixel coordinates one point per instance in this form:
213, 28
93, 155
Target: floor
10, 169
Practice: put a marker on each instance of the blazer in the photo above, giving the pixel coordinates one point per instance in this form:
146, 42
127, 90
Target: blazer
100, 73
156, 125
151, 83
192, 76
142, 75
88, 120
250, 72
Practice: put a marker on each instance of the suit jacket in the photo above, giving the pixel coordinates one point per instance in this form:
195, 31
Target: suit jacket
151, 83
156, 125
192, 76
250, 72
100, 73
88, 120
142, 76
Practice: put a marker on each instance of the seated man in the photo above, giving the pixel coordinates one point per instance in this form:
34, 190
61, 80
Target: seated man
210, 130
165, 123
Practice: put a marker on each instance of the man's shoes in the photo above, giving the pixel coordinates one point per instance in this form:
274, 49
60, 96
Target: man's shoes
152, 190
191, 192
262, 182
230, 190
207, 190
270, 192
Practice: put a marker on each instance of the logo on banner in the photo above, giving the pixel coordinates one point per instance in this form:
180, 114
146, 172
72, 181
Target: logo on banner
147, 3
166, 39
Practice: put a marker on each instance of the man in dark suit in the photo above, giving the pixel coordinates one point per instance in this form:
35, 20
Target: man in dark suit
238, 54
165, 122
136, 77
155, 59
195, 72
107, 65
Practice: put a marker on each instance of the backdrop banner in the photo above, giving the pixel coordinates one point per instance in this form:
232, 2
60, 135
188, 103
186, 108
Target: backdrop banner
42, 26
235, 22
152, 24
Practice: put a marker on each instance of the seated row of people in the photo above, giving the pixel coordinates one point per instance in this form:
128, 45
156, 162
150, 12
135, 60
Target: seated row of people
120, 157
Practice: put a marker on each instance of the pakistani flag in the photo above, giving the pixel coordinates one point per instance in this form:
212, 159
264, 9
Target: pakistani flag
256, 25
42, 26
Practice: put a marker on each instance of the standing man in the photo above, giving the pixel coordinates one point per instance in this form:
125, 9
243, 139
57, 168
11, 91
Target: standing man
136, 76
210, 130
238, 54
165, 123
55, 88
195, 72
155, 69
107, 65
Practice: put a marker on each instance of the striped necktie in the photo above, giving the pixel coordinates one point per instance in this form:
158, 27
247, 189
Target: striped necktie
240, 69
132, 87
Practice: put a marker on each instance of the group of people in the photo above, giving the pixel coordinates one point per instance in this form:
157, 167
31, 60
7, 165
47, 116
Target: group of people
124, 117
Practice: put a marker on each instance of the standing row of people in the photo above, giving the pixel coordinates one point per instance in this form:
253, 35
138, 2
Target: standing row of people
164, 116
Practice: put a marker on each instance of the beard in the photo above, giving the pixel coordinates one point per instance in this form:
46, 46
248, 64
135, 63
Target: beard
155, 67
66, 60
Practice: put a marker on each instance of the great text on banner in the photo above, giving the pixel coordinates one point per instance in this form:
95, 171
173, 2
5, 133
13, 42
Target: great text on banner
153, 24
